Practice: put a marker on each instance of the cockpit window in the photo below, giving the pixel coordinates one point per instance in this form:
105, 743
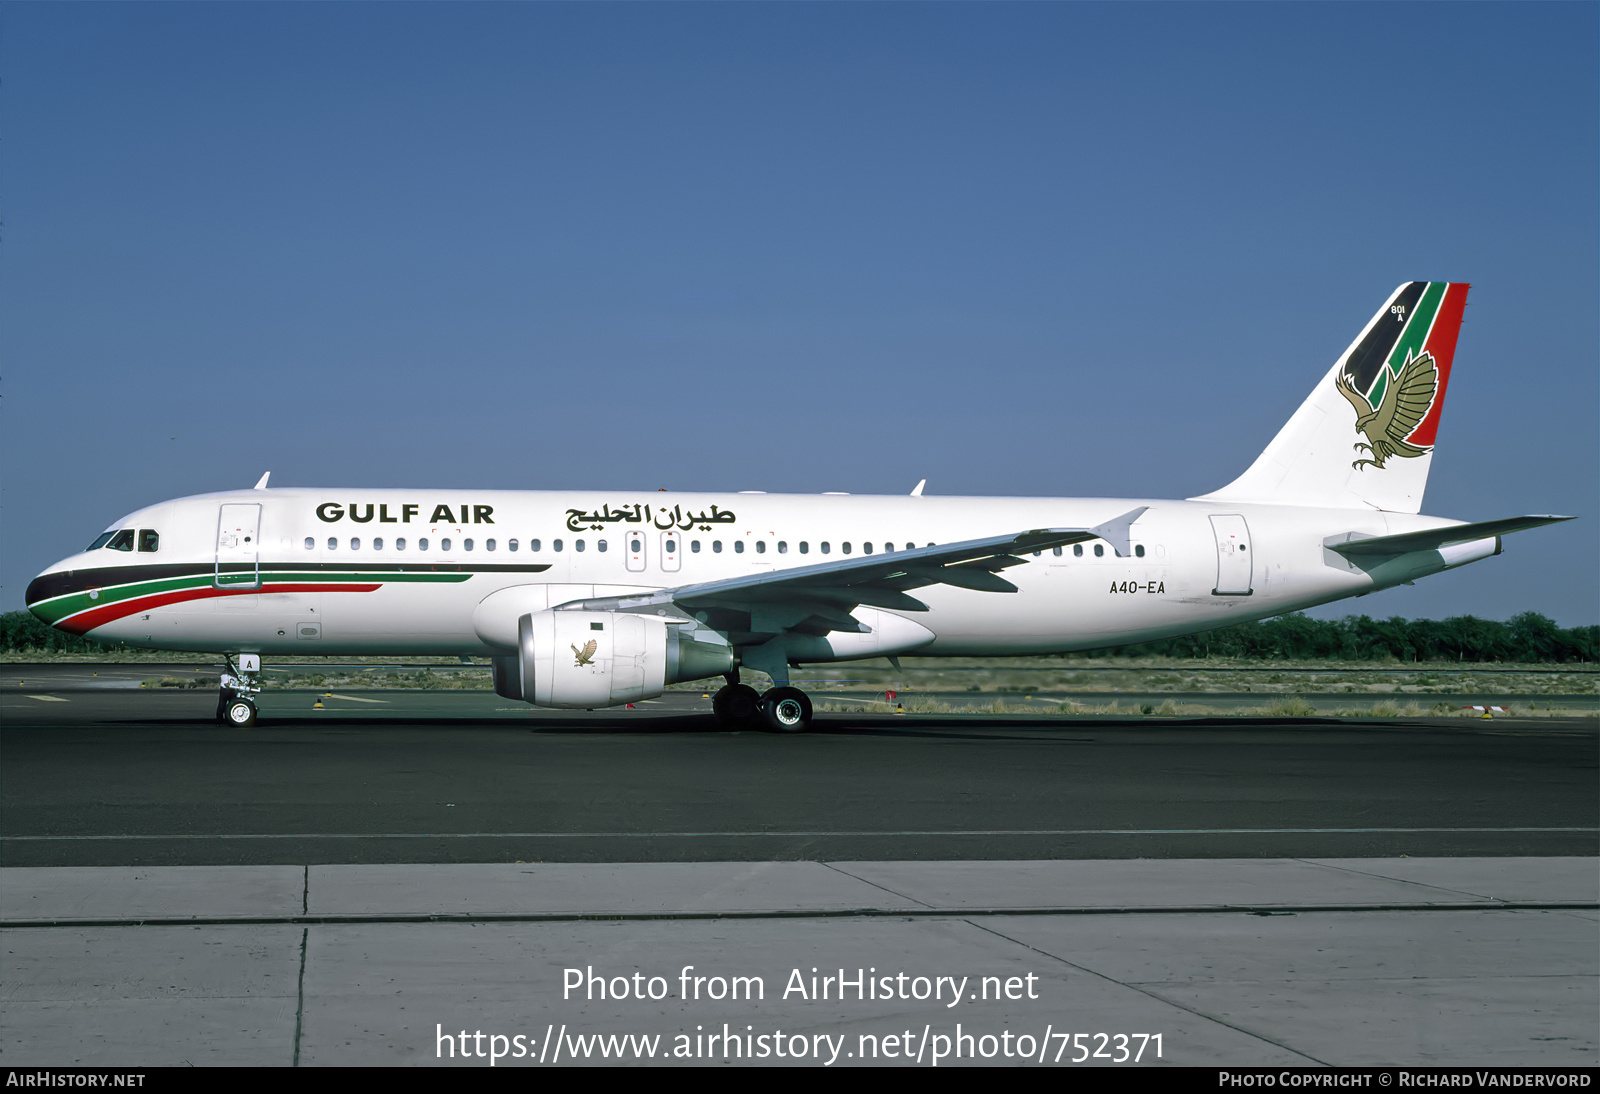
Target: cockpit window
122, 541
100, 541
149, 539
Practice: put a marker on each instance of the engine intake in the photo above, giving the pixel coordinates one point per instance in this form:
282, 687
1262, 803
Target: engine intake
582, 659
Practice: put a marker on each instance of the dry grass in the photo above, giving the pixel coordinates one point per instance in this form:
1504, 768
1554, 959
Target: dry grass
176, 682
1286, 707
464, 679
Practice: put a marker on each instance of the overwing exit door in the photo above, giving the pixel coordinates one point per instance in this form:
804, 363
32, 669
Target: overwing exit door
239, 546
633, 543
1234, 565
671, 548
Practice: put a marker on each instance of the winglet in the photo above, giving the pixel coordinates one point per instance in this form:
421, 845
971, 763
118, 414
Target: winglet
262, 485
916, 491
1118, 531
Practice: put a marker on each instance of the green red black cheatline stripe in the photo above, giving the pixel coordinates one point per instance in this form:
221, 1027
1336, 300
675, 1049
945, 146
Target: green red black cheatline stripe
85, 621
78, 601
49, 586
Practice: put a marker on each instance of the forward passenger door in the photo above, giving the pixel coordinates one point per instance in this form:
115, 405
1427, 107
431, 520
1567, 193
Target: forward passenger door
238, 546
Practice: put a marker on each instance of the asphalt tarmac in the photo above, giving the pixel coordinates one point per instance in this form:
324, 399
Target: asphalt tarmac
350, 882
118, 776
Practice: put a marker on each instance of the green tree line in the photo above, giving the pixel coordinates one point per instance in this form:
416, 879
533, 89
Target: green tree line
21, 632
1528, 637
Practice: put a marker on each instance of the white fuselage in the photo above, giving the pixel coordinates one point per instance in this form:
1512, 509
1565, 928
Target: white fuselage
345, 571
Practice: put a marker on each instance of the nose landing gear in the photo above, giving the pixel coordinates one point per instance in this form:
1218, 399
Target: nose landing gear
235, 707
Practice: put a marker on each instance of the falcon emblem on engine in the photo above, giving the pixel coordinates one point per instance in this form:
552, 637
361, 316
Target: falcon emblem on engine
586, 655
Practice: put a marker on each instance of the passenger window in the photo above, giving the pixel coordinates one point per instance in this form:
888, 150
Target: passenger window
1056, 551
555, 545
888, 548
845, 546
148, 539
866, 548
1077, 550
824, 546
511, 545
716, 546
577, 545
311, 544
488, 545
422, 543
1036, 554
671, 546
1138, 550
122, 541
805, 548
333, 543
599, 545
100, 541
377, 543
783, 547
466, 545
533, 545
355, 543
761, 546
694, 546
738, 546
1099, 550
400, 544
444, 545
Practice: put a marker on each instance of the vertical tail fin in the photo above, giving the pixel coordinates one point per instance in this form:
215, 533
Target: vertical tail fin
1364, 438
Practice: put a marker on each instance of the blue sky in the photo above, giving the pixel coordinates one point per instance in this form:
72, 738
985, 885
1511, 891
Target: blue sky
1028, 249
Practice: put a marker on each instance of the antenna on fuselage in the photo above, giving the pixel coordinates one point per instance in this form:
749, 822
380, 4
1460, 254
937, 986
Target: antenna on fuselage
262, 485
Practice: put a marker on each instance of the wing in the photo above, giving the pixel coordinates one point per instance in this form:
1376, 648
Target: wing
1362, 408
588, 649
818, 599
1406, 402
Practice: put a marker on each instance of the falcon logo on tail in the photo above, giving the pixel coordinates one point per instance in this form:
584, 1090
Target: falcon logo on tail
1405, 403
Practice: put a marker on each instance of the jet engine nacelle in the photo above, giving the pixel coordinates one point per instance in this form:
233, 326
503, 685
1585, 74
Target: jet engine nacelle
582, 660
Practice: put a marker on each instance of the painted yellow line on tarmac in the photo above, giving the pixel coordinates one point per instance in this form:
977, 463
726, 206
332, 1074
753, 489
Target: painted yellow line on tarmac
50, 699
353, 698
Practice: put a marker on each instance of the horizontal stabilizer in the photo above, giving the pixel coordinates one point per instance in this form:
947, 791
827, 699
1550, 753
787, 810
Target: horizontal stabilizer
1435, 538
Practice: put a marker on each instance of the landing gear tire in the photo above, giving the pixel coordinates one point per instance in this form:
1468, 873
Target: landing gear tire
737, 706
240, 713
786, 710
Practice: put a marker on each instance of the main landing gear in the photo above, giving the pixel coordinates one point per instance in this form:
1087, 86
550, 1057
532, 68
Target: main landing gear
779, 710
235, 707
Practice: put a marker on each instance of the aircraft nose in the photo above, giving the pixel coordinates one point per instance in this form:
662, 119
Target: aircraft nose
47, 586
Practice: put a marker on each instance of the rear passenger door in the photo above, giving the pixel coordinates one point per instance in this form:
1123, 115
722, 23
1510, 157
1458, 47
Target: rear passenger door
1234, 558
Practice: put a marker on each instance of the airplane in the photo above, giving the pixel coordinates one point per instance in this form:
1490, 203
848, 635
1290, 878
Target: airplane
596, 598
